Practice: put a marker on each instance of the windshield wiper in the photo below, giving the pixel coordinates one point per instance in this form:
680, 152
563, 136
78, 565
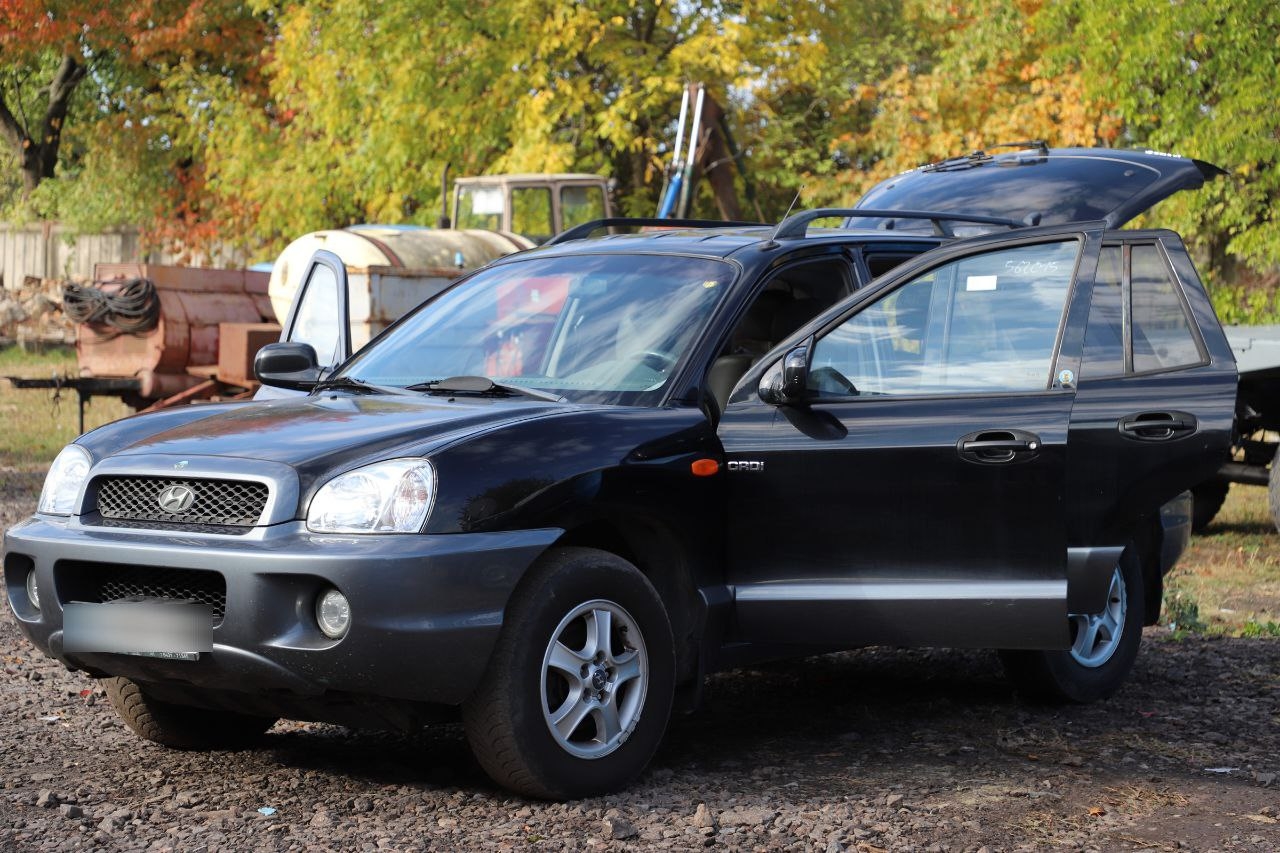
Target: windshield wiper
350, 383
482, 386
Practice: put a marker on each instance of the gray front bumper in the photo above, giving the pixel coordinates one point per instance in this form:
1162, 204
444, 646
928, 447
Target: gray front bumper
426, 610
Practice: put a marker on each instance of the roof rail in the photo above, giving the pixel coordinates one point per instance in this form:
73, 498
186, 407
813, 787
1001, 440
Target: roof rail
794, 227
580, 232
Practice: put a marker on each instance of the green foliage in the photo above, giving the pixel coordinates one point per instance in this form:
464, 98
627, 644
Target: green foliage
1253, 628
1199, 79
1182, 613
251, 121
1237, 305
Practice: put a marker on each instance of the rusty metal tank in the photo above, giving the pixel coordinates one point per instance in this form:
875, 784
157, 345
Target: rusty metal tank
376, 253
181, 350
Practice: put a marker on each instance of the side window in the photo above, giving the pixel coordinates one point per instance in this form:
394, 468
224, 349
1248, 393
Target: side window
789, 299
1136, 292
1104, 334
1162, 333
984, 323
580, 204
316, 322
531, 212
479, 207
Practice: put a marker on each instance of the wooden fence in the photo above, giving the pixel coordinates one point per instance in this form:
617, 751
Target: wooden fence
48, 250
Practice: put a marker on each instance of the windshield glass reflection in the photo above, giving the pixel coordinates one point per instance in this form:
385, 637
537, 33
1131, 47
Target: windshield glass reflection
602, 329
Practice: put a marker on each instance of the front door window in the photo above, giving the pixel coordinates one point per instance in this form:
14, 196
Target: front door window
985, 323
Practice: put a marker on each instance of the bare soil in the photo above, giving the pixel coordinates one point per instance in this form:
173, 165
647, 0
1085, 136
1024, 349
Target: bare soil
872, 750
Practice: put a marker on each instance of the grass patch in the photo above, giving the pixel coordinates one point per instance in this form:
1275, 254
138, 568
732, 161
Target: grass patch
1228, 581
38, 422
36, 361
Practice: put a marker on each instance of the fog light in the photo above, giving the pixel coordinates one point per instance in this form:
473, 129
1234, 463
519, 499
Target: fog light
333, 614
33, 592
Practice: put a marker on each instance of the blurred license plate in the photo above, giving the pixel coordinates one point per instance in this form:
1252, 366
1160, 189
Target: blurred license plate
159, 628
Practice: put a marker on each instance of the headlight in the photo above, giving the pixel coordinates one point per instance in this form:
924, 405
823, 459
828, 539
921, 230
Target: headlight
387, 497
62, 483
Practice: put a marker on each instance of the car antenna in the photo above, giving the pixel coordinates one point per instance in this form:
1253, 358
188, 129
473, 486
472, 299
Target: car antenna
772, 242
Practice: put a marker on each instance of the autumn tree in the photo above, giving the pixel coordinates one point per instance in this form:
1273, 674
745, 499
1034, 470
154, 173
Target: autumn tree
1199, 79
104, 106
983, 81
367, 103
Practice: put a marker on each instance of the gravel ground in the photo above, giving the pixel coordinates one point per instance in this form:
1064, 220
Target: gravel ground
871, 750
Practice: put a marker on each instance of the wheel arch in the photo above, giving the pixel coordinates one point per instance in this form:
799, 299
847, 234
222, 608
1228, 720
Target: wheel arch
661, 557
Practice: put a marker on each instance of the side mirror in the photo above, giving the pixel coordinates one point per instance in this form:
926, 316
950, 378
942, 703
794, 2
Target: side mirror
785, 383
288, 365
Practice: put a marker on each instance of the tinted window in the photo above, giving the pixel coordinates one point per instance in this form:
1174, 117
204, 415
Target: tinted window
1104, 336
1162, 334
1057, 190
985, 323
579, 205
531, 212
316, 322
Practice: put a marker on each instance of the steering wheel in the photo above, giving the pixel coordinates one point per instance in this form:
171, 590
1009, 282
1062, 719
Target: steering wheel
827, 380
658, 361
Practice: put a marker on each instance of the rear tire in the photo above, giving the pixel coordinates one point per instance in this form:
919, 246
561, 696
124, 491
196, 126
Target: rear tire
1104, 647
1208, 498
179, 726
578, 690
1273, 489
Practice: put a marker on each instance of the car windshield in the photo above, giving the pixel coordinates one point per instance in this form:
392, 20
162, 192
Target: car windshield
590, 328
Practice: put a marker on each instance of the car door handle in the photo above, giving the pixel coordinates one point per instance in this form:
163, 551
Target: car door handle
1157, 426
998, 446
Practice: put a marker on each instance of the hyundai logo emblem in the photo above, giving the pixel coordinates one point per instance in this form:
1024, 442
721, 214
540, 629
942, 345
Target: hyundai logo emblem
176, 499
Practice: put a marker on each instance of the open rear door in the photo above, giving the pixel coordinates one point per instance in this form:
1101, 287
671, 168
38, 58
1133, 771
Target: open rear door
1041, 186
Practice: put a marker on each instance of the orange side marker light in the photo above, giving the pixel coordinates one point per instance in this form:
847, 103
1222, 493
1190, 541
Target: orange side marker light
705, 467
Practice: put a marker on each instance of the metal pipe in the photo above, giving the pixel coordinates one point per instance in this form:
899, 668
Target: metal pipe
444, 221
667, 198
682, 210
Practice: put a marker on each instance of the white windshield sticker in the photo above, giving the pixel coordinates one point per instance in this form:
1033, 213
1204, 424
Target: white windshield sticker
980, 282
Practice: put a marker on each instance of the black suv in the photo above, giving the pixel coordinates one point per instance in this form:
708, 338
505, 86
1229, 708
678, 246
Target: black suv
561, 492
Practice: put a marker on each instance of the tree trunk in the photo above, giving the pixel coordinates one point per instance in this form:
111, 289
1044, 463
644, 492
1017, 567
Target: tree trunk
37, 147
715, 161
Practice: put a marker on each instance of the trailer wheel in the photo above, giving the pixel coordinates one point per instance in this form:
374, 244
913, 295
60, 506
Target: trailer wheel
1208, 498
1273, 489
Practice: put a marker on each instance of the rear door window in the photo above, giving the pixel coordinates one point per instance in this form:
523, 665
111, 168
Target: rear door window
1138, 319
1162, 334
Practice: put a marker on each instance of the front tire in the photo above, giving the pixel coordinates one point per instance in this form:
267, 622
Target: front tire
1104, 646
180, 726
578, 691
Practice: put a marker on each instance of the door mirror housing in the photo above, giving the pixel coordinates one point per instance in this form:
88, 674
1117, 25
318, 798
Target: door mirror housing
289, 365
785, 383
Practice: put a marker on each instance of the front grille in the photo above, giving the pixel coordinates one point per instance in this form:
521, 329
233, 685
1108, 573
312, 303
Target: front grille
98, 583
214, 503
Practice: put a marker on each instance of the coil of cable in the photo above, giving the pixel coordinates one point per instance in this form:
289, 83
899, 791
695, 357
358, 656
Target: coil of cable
127, 306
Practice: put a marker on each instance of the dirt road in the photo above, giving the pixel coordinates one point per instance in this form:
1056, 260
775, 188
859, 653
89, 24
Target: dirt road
872, 750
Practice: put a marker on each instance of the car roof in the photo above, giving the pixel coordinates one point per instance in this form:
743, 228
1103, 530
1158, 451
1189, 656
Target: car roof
722, 242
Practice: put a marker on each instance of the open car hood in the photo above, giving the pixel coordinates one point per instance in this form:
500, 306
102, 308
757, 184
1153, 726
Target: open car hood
1040, 186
